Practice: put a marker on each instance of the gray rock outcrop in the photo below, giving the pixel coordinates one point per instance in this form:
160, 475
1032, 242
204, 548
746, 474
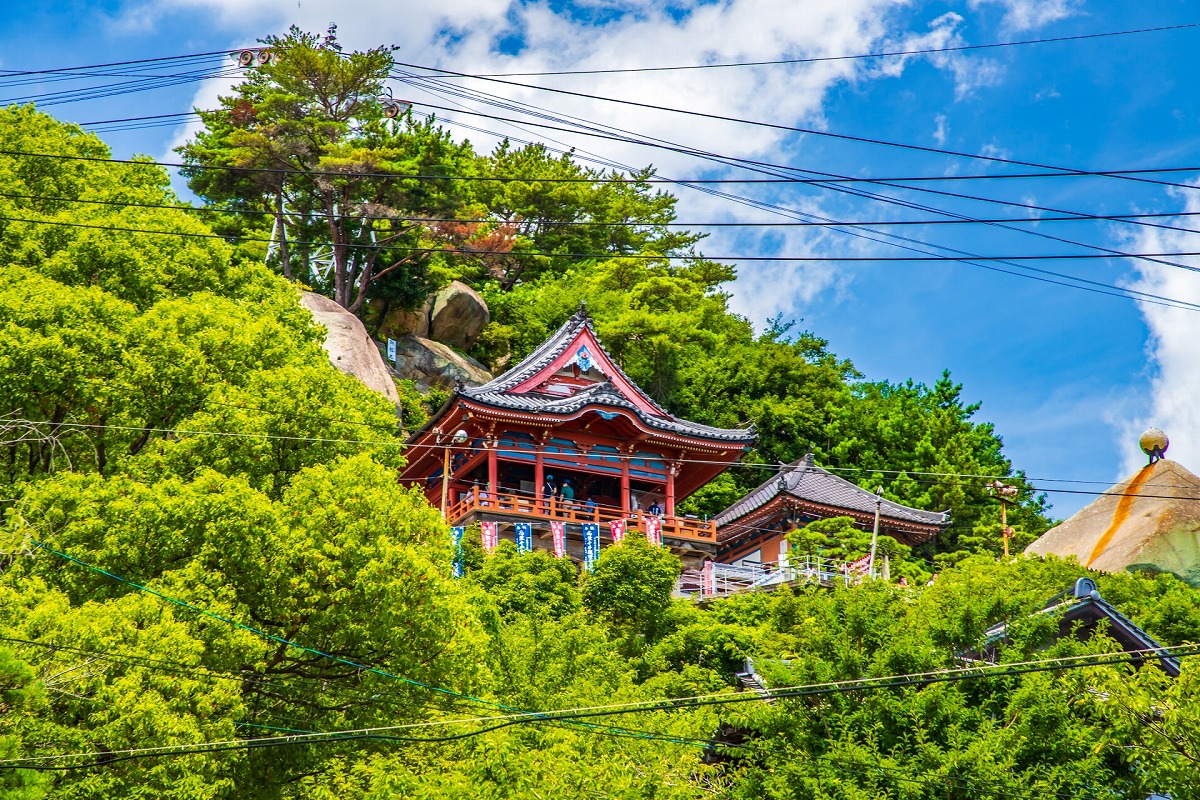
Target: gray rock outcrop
435, 364
349, 346
1150, 522
458, 315
398, 321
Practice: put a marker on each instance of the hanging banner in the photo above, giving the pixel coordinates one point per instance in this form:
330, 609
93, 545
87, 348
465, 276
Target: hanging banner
653, 526
591, 544
456, 565
559, 531
490, 532
524, 535
616, 529
708, 580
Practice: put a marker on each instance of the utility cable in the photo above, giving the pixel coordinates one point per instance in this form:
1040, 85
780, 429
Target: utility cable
821, 59
221, 211
769, 125
900, 681
642, 256
732, 465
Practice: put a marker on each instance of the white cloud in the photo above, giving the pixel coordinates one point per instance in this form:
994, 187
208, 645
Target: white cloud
1025, 15
939, 129
466, 36
1174, 345
970, 71
993, 150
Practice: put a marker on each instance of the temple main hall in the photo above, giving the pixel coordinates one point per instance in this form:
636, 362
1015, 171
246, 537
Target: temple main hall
565, 439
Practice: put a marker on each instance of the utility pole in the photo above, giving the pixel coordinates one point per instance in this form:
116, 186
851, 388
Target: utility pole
1006, 494
875, 531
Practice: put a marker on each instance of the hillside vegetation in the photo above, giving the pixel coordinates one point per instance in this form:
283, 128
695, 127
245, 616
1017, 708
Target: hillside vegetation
213, 586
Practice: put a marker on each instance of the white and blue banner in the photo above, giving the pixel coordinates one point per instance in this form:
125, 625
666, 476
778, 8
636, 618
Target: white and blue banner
523, 531
591, 544
456, 537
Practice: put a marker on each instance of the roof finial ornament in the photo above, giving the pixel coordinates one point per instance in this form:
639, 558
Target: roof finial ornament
1154, 443
809, 461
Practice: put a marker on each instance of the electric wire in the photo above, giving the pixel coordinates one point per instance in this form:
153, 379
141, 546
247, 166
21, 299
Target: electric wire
1050, 277
1033, 488
653, 142
639, 256
219, 211
769, 125
811, 690
159, 59
821, 59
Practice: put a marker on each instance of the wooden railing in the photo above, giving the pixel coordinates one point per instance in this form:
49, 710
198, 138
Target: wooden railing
574, 511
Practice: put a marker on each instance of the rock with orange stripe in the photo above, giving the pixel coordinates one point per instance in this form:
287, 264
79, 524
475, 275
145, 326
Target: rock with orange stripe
1150, 522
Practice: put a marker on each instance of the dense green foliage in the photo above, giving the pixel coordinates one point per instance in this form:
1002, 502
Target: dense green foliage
204, 540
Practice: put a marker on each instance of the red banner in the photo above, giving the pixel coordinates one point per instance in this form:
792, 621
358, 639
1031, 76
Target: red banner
559, 531
490, 532
616, 529
653, 527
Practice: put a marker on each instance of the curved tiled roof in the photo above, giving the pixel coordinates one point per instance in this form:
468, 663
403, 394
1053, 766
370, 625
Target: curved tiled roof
805, 481
498, 393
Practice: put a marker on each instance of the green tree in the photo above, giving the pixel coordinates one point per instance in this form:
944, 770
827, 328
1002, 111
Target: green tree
306, 140
630, 585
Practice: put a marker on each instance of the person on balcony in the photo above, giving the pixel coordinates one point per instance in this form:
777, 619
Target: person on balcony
549, 490
655, 509
567, 493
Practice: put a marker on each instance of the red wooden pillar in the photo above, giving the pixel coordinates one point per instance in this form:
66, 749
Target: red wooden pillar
539, 478
493, 470
625, 483
670, 509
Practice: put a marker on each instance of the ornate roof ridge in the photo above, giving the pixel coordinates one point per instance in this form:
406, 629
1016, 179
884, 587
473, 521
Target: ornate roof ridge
838, 492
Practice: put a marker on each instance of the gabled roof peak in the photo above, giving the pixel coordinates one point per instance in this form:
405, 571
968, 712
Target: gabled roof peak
575, 346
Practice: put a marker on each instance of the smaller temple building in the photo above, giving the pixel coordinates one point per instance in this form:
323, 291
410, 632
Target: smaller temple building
565, 438
753, 530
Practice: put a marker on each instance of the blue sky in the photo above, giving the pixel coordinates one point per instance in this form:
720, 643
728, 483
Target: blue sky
1068, 376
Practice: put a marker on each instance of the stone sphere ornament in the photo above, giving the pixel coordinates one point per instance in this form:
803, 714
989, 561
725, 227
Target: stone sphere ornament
1154, 443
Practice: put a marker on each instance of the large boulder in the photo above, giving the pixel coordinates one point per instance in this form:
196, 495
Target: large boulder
349, 347
399, 321
1150, 522
458, 315
434, 364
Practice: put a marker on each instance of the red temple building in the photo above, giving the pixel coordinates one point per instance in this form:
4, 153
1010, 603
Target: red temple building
568, 414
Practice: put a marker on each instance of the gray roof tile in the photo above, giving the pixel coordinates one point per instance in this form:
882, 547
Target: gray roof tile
804, 480
498, 392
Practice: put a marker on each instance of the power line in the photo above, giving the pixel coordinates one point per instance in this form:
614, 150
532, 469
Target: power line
824, 178
388, 733
572, 223
602, 179
59, 70
819, 59
742, 465
769, 125
640, 256
1067, 280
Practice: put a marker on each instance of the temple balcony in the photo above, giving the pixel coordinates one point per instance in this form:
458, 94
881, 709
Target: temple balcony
519, 507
